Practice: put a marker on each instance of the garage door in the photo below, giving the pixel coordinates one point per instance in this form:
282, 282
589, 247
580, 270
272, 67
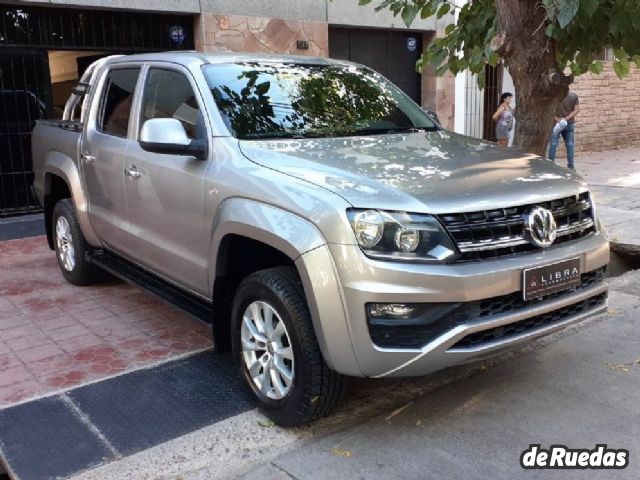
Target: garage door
390, 52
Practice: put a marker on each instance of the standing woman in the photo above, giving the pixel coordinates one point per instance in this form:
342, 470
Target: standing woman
504, 117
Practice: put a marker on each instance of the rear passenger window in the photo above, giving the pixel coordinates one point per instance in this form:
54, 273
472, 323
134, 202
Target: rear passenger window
117, 101
168, 94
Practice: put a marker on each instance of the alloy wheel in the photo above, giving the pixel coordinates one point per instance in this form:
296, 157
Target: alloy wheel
266, 350
64, 242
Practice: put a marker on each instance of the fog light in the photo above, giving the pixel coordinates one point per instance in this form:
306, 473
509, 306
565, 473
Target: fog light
390, 310
407, 239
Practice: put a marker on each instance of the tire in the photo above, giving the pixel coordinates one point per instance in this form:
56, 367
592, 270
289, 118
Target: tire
315, 389
71, 246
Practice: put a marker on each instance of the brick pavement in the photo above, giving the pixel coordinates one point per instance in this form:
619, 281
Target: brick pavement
55, 336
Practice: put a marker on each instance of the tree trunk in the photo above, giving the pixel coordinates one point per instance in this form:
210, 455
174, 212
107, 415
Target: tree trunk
529, 56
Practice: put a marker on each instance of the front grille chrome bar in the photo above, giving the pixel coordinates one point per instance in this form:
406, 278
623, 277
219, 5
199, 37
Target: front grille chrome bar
515, 240
575, 227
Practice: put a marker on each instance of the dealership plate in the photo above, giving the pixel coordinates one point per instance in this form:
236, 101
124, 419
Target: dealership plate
542, 281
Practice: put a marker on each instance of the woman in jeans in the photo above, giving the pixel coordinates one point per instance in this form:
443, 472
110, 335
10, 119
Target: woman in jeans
504, 117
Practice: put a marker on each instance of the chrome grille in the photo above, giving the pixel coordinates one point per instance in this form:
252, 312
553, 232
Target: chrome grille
499, 232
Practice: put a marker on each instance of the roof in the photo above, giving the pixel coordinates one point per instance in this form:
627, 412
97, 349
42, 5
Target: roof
188, 57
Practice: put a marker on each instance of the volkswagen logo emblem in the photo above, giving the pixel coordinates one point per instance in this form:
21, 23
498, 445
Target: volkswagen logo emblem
541, 227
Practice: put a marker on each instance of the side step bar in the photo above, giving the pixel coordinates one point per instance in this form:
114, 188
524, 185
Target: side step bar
131, 273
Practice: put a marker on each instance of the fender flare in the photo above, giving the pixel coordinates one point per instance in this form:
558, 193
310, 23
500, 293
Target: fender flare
295, 237
260, 221
60, 165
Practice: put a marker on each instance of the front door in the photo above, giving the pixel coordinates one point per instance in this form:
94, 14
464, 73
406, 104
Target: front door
165, 196
103, 156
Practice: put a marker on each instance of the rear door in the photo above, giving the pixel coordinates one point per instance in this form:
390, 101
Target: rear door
103, 152
166, 196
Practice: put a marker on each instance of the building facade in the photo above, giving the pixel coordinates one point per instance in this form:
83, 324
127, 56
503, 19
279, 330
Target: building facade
607, 118
45, 46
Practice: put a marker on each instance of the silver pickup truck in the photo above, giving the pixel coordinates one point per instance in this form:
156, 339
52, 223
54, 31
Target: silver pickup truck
312, 213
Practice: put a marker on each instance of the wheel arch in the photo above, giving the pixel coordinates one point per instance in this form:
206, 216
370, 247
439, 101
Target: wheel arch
62, 180
243, 224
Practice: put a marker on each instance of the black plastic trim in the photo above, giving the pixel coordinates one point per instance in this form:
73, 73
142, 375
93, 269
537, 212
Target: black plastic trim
435, 319
131, 273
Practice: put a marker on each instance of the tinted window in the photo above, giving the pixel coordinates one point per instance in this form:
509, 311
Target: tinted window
168, 94
117, 101
262, 100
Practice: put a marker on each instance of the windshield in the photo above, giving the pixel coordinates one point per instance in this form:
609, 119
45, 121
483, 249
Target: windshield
268, 100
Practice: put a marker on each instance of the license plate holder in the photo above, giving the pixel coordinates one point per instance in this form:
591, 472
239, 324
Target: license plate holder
545, 280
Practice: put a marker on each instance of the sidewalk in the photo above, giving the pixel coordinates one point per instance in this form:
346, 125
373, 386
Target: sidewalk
54, 336
614, 178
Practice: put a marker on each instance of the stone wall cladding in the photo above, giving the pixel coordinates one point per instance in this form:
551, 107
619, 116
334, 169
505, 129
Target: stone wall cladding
607, 118
438, 91
259, 34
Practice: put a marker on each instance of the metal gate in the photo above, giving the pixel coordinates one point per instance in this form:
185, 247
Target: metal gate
25, 84
24, 96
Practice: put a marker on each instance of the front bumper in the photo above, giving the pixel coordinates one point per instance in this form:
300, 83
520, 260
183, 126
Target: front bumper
364, 280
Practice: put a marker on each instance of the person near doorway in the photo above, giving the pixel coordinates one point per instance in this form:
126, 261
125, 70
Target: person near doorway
565, 121
504, 118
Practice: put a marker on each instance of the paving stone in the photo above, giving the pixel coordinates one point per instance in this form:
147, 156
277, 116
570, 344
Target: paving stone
55, 335
13, 375
39, 353
29, 341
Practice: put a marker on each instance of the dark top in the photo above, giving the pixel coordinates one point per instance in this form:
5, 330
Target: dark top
567, 105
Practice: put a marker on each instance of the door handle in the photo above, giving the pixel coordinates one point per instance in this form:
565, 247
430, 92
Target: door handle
132, 172
88, 158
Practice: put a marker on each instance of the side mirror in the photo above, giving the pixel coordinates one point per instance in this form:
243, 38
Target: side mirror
168, 136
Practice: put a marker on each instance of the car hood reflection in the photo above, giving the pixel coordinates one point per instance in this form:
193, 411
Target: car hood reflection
433, 172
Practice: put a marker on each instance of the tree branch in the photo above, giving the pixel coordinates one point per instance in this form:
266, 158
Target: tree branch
555, 77
499, 44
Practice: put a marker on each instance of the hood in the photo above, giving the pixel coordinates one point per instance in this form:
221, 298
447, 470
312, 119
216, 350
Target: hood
432, 172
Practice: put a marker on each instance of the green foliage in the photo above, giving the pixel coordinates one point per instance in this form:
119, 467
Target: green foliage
305, 101
580, 31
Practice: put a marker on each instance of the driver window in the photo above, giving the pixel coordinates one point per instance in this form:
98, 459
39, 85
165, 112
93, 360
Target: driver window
168, 94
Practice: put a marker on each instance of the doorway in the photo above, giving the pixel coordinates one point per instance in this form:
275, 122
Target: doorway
492, 92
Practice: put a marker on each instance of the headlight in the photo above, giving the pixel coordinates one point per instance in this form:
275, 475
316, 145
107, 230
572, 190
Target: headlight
401, 236
368, 227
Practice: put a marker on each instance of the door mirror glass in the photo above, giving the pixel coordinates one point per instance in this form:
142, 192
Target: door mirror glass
168, 136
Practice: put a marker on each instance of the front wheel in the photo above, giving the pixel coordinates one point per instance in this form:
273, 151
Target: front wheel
277, 351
